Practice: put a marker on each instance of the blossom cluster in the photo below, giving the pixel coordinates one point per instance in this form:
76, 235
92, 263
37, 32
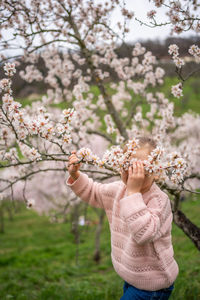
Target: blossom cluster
151, 14
86, 155
109, 124
176, 90
194, 50
5, 85
26, 123
173, 50
182, 16
166, 166
9, 69
28, 152
30, 203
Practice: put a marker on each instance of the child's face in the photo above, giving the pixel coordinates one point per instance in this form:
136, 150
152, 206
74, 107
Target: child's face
141, 154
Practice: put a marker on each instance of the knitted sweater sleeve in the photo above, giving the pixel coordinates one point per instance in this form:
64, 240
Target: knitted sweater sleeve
94, 193
149, 222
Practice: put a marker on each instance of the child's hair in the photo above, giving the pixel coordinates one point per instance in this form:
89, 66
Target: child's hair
144, 141
147, 141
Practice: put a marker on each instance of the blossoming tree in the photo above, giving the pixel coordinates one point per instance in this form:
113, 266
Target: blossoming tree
32, 136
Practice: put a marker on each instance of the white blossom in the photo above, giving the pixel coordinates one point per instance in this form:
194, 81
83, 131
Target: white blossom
30, 203
177, 90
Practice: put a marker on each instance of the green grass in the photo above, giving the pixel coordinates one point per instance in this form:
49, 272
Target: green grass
37, 261
189, 101
191, 95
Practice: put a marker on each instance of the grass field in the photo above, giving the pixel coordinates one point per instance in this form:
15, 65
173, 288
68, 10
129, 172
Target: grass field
37, 261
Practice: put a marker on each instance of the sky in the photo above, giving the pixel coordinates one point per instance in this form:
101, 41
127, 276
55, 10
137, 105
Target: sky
142, 32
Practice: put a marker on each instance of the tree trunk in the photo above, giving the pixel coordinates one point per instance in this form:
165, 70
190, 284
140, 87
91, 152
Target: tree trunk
107, 99
190, 229
180, 219
97, 255
85, 216
10, 215
75, 230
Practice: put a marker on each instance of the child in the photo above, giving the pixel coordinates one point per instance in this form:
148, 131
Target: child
140, 220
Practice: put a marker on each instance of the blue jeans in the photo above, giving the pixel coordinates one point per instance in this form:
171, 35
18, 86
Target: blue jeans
132, 293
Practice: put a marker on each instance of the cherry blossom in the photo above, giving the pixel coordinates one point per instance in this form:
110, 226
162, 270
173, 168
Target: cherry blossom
177, 90
30, 203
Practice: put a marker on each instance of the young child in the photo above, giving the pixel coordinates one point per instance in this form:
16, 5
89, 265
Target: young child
140, 220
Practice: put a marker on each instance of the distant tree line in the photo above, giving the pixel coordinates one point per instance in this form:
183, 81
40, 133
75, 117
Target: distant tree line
157, 47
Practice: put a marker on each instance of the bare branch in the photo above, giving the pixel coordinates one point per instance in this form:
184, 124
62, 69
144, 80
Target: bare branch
107, 137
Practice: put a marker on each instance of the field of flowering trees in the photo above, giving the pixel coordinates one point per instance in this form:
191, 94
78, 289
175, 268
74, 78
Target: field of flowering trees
85, 109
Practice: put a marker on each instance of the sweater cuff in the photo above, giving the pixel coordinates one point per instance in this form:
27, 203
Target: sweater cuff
132, 204
78, 184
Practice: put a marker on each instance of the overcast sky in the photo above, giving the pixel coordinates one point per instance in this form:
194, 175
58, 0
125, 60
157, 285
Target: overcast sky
142, 32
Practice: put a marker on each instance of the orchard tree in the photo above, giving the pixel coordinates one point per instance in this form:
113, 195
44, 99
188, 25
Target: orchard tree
78, 45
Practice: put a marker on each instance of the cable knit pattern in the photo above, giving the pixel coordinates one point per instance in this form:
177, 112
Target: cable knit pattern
140, 225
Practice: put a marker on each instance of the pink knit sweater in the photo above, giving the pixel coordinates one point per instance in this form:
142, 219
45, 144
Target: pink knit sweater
140, 226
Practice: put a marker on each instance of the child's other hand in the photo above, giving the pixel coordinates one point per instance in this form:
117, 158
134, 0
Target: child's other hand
73, 168
136, 176
124, 176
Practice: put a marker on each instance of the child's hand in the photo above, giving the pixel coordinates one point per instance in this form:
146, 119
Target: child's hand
124, 176
73, 169
136, 176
